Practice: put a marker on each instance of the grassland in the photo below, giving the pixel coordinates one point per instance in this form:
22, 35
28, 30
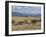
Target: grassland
26, 23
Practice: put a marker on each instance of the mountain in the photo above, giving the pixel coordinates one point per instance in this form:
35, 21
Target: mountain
25, 14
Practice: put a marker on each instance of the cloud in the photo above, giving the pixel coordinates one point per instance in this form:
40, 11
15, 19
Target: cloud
26, 9
18, 7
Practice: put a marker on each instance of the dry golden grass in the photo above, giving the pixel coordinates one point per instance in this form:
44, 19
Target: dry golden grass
25, 26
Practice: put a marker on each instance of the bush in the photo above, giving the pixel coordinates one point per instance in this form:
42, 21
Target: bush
40, 20
25, 21
34, 21
20, 22
13, 21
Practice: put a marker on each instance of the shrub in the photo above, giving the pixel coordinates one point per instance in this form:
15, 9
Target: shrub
13, 21
38, 20
34, 21
25, 21
20, 22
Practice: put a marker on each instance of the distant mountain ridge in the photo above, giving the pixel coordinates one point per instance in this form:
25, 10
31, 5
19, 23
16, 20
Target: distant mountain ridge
25, 14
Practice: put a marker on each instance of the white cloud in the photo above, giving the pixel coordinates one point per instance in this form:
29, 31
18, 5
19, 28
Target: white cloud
26, 7
18, 7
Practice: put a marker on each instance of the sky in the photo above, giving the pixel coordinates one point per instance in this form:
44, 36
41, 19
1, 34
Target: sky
26, 9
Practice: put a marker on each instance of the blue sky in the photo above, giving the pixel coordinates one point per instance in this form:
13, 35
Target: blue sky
26, 9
